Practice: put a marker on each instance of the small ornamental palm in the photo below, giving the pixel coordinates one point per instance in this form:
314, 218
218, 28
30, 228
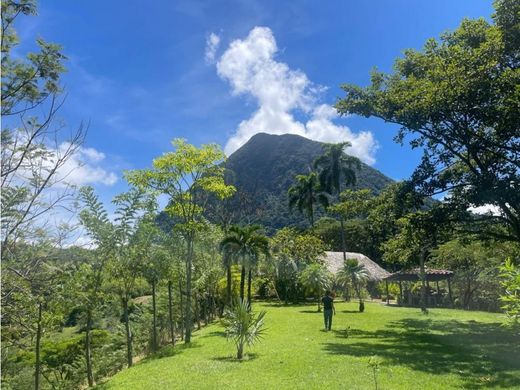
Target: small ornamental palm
316, 279
355, 273
243, 326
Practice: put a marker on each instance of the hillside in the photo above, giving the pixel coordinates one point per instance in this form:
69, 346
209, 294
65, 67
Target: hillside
263, 170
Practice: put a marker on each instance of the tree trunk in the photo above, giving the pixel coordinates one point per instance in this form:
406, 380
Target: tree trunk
189, 319
228, 286
242, 282
240, 351
37, 364
249, 277
170, 312
129, 357
181, 306
343, 244
154, 315
88, 349
423, 283
197, 310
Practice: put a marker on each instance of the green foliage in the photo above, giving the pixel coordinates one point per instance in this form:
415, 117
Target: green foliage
457, 99
243, 326
292, 253
335, 168
306, 194
187, 176
354, 274
316, 279
510, 280
475, 282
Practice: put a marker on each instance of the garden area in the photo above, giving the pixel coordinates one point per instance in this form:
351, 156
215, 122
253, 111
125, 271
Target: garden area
449, 349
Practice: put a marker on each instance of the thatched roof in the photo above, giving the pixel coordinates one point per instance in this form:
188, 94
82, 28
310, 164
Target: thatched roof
334, 261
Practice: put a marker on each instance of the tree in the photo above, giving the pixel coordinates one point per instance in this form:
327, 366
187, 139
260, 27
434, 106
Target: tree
475, 282
187, 176
247, 244
355, 274
291, 253
306, 194
131, 239
243, 326
34, 297
34, 153
420, 232
335, 168
316, 279
457, 99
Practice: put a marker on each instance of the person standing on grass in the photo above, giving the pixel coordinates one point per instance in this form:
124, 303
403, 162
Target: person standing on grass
328, 309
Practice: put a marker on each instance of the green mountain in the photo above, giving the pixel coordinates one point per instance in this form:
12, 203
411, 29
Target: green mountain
264, 168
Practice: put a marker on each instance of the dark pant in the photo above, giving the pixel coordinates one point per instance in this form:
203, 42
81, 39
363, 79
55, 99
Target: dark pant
327, 314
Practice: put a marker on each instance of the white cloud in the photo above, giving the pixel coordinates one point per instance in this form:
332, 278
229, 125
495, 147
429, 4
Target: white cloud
250, 67
212, 44
82, 168
485, 209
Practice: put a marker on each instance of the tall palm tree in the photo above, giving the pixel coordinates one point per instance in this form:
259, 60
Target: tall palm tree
355, 274
247, 244
336, 168
316, 278
305, 194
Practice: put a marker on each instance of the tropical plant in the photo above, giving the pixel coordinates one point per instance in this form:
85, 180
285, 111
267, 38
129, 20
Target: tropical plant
243, 326
306, 194
510, 275
247, 244
335, 169
355, 274
316, 279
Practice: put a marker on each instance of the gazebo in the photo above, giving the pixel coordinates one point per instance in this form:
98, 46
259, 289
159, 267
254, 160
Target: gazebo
414, 275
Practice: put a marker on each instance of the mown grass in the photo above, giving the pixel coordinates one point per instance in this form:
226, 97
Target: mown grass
446, 349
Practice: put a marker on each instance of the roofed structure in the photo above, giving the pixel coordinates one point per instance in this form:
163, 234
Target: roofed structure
413, 275
334, 262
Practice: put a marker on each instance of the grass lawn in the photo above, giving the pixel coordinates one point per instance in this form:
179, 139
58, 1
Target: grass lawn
447, 349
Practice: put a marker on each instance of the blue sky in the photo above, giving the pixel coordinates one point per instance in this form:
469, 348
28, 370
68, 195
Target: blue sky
142, 73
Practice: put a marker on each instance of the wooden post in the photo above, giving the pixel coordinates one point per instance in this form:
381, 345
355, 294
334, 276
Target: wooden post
437, 298
449, 291
400, 292
387, 296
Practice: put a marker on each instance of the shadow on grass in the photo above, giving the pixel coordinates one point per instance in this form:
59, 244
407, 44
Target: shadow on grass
312, 311
215, 333
232, 359
169, 351
481, 354
351, 311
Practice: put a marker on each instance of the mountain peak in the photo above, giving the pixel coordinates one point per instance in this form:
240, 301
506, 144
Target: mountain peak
265, 167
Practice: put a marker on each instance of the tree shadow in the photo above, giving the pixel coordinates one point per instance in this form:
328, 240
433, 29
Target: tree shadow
481, 354
232, 359
351, 311
312, 311
215, 333
169, 351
